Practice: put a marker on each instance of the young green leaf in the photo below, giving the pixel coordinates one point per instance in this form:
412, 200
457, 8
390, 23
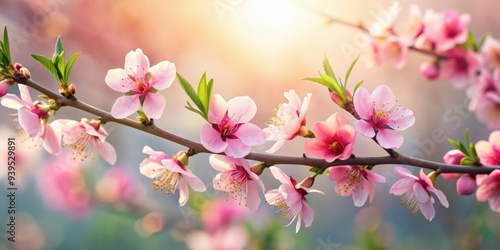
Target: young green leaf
190, 91
357, 87
6, 45
69, 65
60, 65
47, 64
59, 46
328, 68
348, 72
209, 94
202, 93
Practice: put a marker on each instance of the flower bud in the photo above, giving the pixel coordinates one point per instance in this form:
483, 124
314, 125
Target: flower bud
72, 89
336, 98
429, 70
26, 73
453, 157
5, 86
18, 66
466, 185
307, 182
258, 168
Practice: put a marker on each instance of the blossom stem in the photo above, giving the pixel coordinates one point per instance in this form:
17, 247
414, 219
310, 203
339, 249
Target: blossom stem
268, 159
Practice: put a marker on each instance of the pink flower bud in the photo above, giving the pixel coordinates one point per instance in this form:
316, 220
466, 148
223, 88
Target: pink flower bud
336, 98
5, 86
453, 157
429, 70
258, 168
466, 185
18, 66
72, 89
307, 182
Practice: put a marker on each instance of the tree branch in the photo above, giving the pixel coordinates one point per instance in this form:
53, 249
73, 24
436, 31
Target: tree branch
196, 147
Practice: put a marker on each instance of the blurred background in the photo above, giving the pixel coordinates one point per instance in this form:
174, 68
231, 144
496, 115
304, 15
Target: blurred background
259, 48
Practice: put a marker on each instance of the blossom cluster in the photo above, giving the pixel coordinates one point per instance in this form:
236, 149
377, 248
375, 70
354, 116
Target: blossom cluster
458, 57
229, 136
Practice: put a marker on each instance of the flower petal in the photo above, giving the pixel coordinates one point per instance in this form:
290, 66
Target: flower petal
427, 210
150, 168
253, 199
307, 214
420, 192
389, 138
153, 105
195, 182
359, 196
280, 175
241, 109
221, 163
118, 80
401, 119
402, 186
136, 64
364, 128
107, 152
217, 109
12, 101
236, 148
250, 134
211, 139
383, 98
183, 192
51, 141
363, 103
162, 75
29, 121
25, 93
125, 106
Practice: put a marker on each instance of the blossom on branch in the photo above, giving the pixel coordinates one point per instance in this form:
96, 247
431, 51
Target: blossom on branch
33, 118
140, 83
5, 86
291, 198
289, 120
379, 119
170, 174
84, 136
356, 181
229, 130
489, 190
485, 98
415, 192
334, 139
446, 29
489, 151
236, 180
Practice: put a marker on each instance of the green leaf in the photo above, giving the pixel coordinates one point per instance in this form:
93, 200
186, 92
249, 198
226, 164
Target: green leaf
69, 65
189, 107
6, 45
348, 72
470, 42
190, 91
481, 42
47, 64
203, 93
209, 93
357, 87
60, 65
59, 46
328, 68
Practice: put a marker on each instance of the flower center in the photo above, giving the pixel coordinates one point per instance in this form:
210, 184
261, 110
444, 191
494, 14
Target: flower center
279, 201
142, 87
166, 180
227, 127
379, 119
234, 183
80, 144
354, 178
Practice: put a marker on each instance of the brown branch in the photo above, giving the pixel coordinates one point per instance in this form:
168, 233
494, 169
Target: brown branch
196, 147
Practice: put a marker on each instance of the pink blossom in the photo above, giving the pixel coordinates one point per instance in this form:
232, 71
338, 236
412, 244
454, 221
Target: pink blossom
229, 130
489, 190
221, 213
234, 237
33, 118
460, 66
118, 185
452, 157
466, 185
139, 82
395, 50
446, 29
378, 119
5, 86
415, 192
291, 198
289, 120
170, 174
412, 26
334, 139
63, 186
429, 70
490, 51
489, 151
485, 98
84, 136
356, 181
236, 180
